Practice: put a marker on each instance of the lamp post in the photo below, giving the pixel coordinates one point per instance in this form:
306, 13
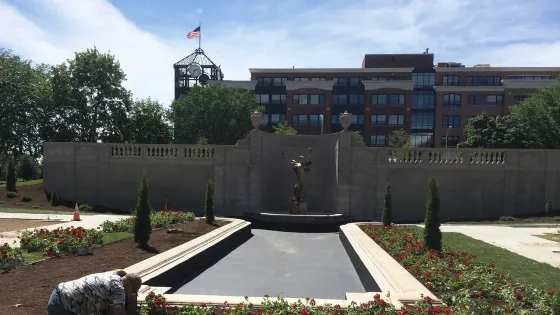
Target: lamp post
447, 135
322, 122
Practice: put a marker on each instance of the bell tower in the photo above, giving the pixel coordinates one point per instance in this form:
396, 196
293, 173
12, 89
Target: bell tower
195, 69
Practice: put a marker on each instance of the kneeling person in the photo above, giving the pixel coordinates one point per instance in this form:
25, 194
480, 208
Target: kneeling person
105, 292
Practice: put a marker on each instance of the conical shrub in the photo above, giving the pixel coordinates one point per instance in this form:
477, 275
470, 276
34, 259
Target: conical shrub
387, 214
432, 233
142, 223
209, 203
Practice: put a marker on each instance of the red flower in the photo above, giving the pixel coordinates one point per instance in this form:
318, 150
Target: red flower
50, 253
4, 255
202, 304
376, 296
151, 295
381, 303
550, 292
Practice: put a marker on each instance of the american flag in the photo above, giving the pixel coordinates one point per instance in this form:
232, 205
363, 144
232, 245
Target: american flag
193, 34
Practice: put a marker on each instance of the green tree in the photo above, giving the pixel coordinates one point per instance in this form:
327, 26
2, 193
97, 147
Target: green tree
18, 104
27, 168
399, 139
284, 129
548, 208
556, 303
209, 203
143, 209
220, 114
11, 176
531, 124
432, 232
91, 99
386, 215
148, 123
54, 199
357, 136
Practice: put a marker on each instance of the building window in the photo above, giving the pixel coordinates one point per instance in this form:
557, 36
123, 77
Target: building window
266, 119
340, 81
339, 99
277, 118
494, 99
262, 98
423, 100
277, 99
300, 99
450, 80
316, 79
279, 81
519, 98
317, 99
264, 81
335, 119
357, 119
356, 99
424, 79
379, 99
524, 77
396, 119
396, 78
356, 81
484, 81
396, 99
452, 100
299, 119
378, 119
314, 120
377, 140
422, 139
422, 121
476, 99
451, 121
449, 141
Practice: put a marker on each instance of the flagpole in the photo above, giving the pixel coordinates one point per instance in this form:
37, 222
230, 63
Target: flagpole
199, 37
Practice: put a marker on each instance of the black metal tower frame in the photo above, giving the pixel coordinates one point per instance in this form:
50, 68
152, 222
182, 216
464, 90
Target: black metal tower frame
184, 82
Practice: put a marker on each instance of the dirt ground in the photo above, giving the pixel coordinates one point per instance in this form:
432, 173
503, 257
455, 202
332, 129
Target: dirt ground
7, 225
31, 286
37, 192
529, 220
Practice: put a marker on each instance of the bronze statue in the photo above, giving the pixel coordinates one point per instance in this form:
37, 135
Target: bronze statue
301, 167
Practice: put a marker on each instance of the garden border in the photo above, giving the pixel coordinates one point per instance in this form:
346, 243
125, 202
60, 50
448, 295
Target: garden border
376, 267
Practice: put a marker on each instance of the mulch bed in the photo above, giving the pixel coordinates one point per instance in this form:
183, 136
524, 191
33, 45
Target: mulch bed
32, 285
37, 192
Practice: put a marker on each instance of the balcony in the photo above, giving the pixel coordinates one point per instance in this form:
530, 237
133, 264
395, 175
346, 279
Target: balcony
528, 84
371, 85
320, 85
246, 85
464, 86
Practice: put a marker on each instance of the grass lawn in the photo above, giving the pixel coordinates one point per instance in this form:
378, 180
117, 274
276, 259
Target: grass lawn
24, 183
523, 270
550, 237
34, 257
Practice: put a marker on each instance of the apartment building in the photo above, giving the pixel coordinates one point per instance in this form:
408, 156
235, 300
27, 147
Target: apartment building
392, 91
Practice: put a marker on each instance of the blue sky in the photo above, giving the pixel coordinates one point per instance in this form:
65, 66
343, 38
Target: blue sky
148, 36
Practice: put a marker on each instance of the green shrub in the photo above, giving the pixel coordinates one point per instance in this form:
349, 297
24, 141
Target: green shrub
209, 203
432, 232
27, 170
507, 218
11, 177
386, 215
35, 207
27, 199
54, 199
555, 218
548, 208
556, 303
11, 194
142, 223
85, 208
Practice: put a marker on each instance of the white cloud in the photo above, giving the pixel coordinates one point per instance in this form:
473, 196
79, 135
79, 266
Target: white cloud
333, 34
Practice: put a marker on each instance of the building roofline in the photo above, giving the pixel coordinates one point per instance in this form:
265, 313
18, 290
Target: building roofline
328, 70
493, 69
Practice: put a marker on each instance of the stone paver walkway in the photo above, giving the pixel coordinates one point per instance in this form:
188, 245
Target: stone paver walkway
519, 240
88, 221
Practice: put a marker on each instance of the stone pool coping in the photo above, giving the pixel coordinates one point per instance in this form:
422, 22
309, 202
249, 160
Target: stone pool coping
373, 263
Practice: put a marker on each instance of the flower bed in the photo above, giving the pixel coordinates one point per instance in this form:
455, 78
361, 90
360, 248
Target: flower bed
463, 284
158, 219
156, 304
54, 242
10, 257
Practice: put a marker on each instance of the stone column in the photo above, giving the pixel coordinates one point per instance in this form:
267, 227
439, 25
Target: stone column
344, 165
255, 165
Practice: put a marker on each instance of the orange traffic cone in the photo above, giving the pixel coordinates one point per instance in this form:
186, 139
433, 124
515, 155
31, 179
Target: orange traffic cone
76, 213
165, 207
